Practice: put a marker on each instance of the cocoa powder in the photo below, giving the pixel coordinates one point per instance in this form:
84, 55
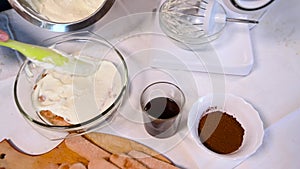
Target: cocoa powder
220, 132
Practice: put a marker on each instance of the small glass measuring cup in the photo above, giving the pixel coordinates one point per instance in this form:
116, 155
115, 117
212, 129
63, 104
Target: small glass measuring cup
162, 104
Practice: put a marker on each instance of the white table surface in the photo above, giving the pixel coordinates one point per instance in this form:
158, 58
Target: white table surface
272, 87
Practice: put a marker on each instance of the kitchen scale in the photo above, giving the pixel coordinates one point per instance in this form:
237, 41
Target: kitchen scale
231, 53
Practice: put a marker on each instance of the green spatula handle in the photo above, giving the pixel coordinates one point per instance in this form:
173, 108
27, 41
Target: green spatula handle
38, 53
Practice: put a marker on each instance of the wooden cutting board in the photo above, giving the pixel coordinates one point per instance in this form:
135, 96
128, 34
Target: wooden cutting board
12, 158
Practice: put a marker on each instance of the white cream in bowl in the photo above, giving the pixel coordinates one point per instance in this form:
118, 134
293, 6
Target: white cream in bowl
78, 98
65, 10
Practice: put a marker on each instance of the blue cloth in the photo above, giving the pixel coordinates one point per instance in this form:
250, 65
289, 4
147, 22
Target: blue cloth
4, 25
10, 60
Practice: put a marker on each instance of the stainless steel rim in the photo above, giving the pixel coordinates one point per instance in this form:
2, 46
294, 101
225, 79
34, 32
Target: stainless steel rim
35, 19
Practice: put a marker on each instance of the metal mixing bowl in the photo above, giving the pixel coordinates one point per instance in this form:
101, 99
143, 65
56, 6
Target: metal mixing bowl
25, 9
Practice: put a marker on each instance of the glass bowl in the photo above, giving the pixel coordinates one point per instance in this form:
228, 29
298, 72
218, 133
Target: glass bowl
91, 116
234, 106
29, 11
184, 24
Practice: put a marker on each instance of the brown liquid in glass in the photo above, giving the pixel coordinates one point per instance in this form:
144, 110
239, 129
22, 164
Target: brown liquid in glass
162, 110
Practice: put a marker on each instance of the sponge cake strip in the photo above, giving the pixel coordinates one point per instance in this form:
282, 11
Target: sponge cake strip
85, 148
149, 161
125, 162
101, 163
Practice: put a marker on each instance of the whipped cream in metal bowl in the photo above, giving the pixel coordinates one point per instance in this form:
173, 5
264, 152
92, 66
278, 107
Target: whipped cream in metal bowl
65, 10
65, 99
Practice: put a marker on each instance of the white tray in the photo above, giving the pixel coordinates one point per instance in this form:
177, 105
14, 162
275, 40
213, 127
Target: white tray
231, 53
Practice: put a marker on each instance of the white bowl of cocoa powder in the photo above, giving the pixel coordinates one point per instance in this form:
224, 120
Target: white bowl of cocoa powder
225, 126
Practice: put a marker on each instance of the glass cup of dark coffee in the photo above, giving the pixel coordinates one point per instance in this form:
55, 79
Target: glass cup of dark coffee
162, 103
